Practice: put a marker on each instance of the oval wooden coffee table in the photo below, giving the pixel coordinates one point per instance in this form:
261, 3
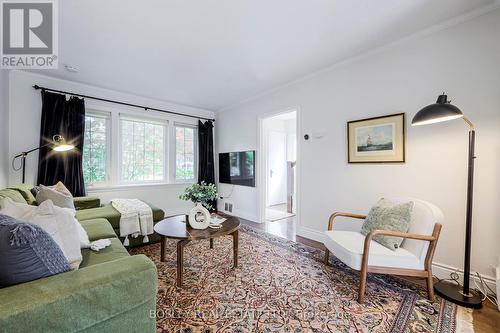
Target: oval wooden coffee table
175, 228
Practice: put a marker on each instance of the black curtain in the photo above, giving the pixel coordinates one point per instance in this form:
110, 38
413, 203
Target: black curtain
206, 166
67, 118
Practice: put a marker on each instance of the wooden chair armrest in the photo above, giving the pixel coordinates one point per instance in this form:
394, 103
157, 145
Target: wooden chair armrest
368, 239
334, 215
430, 251
398, 234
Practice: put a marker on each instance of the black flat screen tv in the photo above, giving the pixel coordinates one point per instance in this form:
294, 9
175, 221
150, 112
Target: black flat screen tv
237, 168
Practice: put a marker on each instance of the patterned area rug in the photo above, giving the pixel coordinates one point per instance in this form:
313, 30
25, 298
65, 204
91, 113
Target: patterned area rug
283, 286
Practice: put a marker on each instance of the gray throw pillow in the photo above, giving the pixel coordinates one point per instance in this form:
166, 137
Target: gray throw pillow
35, 190
27, 253
59, 199
386, 215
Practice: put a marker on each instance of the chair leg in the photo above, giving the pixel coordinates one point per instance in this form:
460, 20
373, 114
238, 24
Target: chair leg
430, 287
327, 255
362, 285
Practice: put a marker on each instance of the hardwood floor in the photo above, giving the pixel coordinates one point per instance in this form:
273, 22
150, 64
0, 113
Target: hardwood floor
486, 320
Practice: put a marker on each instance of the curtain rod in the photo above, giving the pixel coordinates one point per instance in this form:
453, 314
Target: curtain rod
37, 87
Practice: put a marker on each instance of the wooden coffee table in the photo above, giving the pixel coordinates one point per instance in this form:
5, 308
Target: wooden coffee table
175, 228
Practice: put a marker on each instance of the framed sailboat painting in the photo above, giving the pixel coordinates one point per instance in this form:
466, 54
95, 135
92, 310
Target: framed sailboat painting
377, 140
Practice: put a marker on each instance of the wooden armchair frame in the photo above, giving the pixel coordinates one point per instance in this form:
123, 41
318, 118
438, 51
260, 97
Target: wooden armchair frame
365, 268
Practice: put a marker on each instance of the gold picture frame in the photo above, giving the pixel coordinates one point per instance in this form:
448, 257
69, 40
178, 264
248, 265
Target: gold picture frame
377, 140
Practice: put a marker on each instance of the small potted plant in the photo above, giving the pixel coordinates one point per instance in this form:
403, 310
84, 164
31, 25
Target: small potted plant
201, 193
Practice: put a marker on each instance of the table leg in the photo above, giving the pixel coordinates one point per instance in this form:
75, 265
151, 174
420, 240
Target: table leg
180, 261
162, 250
211, 243
235, 248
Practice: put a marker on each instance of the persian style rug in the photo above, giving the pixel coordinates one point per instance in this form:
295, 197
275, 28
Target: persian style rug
283, 286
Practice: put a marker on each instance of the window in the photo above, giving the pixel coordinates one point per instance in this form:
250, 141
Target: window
184, 153
143, 151
95, 149
124, 149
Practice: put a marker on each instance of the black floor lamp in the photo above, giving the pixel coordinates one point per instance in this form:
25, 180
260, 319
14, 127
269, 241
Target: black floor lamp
443, 110
58, 144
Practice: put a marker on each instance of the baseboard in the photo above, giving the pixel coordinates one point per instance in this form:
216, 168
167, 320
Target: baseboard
441, 271
310, 233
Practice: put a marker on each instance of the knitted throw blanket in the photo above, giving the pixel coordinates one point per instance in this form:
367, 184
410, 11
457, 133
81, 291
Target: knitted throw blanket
136, 218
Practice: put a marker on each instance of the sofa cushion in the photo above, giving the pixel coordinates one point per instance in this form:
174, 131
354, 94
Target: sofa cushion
112, 215
86, 202
98, 229
25, 191
14, 195
348, 246
85, 300
115, 251
106, 212
28, 253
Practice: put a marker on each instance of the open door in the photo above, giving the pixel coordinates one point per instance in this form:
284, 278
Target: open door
278, 167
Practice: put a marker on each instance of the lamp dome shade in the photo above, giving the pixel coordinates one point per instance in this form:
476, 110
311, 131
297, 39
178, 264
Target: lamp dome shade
63, 147
60, 144
440, 111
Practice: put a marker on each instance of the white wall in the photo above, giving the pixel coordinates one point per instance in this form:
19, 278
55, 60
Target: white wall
24, 125
4, 129
462, 60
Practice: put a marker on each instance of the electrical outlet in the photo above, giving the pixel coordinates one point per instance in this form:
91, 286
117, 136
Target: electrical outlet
228, 207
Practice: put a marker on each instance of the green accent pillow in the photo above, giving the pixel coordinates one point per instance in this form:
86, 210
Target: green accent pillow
12, 194
24, 189
386, 215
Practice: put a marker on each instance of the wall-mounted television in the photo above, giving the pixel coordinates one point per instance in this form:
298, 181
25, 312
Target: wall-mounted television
237, 168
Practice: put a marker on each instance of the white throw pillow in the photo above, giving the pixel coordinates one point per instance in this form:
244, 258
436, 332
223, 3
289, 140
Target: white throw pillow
59, 187
58, 198
70, 235
58, 222
42, 215
82, 234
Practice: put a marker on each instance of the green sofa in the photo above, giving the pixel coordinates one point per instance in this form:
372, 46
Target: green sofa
110, 292
109, 213
87, 208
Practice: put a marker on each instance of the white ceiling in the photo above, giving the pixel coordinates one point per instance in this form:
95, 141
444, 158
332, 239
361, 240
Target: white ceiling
214, 53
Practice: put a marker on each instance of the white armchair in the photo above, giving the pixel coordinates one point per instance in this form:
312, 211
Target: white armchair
413, 258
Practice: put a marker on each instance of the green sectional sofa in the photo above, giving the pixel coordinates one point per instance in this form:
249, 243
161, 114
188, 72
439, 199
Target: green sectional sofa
87, 208
110, 292
109, 213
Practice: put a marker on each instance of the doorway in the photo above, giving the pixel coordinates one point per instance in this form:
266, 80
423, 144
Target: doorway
279, 172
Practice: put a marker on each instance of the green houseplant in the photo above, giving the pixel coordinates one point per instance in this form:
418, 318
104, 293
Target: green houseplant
200, 193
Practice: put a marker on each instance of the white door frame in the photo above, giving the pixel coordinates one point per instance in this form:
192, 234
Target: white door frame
262, 163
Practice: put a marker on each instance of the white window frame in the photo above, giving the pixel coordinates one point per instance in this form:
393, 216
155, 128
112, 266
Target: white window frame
173, 159
157, 121
107, 116
113, 139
